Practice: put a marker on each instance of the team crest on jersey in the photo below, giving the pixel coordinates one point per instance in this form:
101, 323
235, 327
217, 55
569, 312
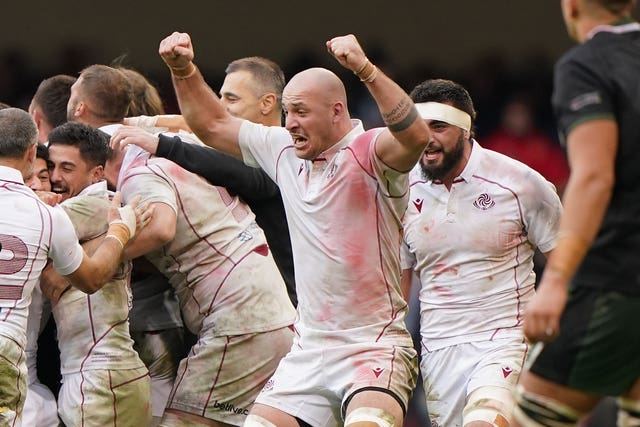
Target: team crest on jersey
377, 371
418, 204
506, 371
484, 202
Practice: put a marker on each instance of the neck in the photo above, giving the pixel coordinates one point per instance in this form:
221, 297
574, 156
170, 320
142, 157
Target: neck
17, 164
588, 23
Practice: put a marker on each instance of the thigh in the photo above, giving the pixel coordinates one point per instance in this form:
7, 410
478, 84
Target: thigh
222, 376
597, 349
445, 374
13, 381
105, 398
390, 370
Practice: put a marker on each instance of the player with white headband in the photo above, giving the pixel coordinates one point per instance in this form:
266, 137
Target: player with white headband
474, 220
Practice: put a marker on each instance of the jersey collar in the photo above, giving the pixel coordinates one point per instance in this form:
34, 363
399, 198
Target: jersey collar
621, 27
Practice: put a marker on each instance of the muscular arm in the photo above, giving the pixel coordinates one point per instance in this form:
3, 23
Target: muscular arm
218, 168
592, 148
158, 232
199, 105
407, 134
96, 269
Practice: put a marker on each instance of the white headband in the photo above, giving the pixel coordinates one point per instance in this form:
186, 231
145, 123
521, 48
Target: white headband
444, 113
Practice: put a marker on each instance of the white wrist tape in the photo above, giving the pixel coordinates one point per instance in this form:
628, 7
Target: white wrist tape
444, 113
128, 218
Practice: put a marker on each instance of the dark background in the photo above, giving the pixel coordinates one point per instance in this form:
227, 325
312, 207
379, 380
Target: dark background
495, 47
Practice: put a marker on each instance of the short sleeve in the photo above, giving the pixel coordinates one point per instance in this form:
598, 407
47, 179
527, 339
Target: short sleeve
65, 251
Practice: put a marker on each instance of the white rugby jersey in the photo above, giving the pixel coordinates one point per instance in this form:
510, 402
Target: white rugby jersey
93, 330
214, 233
30, 232
473, 247
344, 211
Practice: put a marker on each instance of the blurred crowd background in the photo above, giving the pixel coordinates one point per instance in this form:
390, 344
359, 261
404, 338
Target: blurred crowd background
502, 51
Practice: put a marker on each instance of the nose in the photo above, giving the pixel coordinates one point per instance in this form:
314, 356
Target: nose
290, 123
54, 175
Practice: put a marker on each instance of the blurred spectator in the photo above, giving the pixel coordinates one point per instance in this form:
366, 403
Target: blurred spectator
519, 137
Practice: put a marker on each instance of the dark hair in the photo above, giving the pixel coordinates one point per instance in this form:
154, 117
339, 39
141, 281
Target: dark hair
18, 132
52, 97
267, 74
92, 143
42, 152
445, 91
108, 91
146, 99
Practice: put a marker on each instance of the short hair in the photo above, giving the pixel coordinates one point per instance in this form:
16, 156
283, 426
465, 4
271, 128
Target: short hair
52, 96
18, 132
108, 91
92, 143
42, 152
444, 91
146, 99
4, 105
267, 74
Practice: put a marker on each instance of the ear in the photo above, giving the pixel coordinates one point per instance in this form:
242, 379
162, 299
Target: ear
81, 109
97, 174
573, 8
338, 110
267, 103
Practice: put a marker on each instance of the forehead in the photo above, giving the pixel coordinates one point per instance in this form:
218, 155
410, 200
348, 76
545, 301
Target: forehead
238, 82
62, 153
39, 164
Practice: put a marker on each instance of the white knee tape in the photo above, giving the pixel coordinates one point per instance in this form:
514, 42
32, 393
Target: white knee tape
377, 416
257, 421
628, 412
493, 405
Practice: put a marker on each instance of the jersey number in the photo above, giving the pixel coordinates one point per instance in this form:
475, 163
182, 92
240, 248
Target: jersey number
13, 254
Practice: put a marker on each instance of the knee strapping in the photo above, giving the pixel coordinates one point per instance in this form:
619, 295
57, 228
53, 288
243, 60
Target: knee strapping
493, 405
538, 411
628, 412
257, 421
378, 416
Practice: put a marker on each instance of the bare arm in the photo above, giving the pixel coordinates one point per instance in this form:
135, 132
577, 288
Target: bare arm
158, 232
96, 269
407, 135
199, 105
592, 148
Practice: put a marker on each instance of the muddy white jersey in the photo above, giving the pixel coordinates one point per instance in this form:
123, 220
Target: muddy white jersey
473, 247
215, 232
344, 211
30, 232
93, 330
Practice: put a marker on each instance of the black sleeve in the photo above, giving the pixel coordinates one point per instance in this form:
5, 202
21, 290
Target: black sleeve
218, 168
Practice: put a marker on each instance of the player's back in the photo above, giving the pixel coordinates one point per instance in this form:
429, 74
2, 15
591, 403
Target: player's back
215, 233
25, 238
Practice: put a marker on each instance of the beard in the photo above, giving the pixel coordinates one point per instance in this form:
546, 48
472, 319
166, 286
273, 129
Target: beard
449, 160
